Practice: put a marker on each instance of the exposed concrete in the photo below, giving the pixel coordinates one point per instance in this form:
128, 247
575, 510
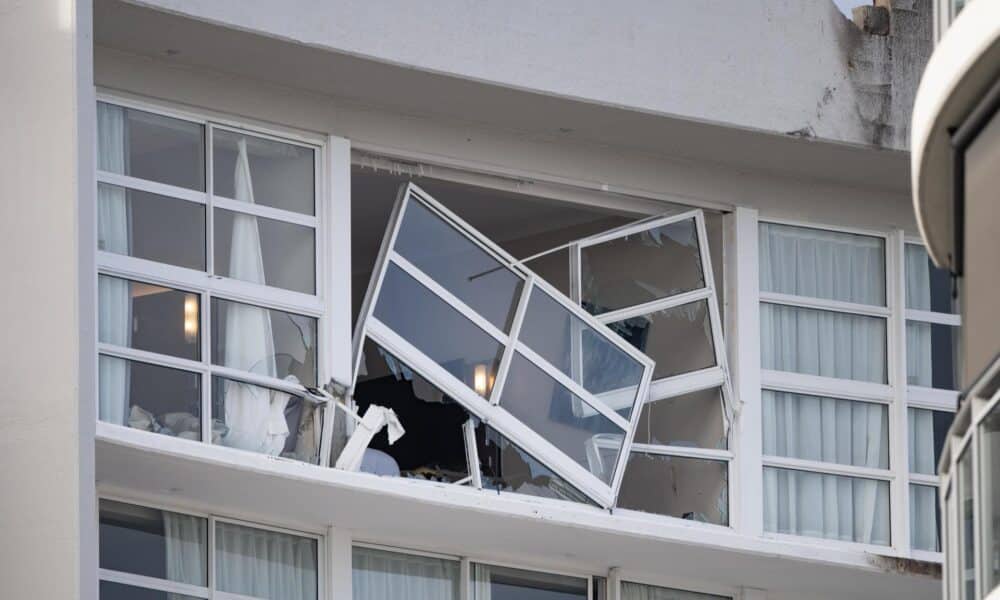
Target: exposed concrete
780, 66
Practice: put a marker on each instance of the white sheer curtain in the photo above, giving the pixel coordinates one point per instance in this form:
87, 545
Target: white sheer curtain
255, 415
265, 564
481, 582
923, 518
186, 537
638, 591
113, 294
918, 335
923, 499
835, 266
379, 574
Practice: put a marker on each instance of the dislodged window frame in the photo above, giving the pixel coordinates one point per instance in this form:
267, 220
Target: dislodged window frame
489, 410
206, 285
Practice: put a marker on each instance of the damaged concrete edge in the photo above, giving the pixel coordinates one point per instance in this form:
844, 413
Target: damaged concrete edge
906, 566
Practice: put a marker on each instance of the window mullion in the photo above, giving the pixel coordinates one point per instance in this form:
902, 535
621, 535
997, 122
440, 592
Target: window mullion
899, 492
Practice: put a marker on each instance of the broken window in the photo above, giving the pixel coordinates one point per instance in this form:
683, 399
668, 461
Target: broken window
653, 284
501, 344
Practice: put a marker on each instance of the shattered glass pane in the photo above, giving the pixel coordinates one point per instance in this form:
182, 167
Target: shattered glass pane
688, 488
679, 339
618, 273
694, 420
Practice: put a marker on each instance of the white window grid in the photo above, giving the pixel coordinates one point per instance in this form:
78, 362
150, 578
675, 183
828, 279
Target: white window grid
848, 389
210, 592
923, 397
489, 409
714, 377
206, 285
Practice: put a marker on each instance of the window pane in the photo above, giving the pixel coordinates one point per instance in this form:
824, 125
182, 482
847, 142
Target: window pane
149, 317
822, 264
820, 342
154, 543
434, 445
265, 251
378, 575
562, 418
927, 287
989, 485
580, 351
263, 420
503, 583
826, 429
120, 591
849, 509
458, 264
150, 146
553, 268
638, 591
641, 267
150, 226
437, 330
264, 341
688, 488
506, 467
275, 173
150, 397
925, 518
695, 419
966, 526
932, 355
660, 334
264, 564
927, 429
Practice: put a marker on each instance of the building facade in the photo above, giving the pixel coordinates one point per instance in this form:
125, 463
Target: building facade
956, 145
370, 300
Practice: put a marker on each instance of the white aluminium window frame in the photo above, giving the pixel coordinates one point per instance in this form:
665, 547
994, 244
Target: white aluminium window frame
489, 410
207, 286
209, 591
859, 391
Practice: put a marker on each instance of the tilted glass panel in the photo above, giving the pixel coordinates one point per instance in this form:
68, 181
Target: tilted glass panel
382, 575
280, 175
925, 518
265, 251
149, 317
149, 397
849, 509
506, 467
695, 420
438, 330
153, 543
149, 226
553, 268
679, 339
818, 263
927, 432
826, 429
927, 287
580, 351
265, 341
932, 355
458, 264
264, 420
265, 564
822, 342
491, 582
556, 414
617, 273
688, 488
150, 146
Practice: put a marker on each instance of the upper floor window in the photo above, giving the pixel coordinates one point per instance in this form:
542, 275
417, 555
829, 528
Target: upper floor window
824, 323
210, 303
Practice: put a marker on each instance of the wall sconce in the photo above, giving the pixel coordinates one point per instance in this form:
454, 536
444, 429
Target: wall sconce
190, 318
479, 380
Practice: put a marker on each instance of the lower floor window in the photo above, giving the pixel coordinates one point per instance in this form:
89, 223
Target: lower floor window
152, 553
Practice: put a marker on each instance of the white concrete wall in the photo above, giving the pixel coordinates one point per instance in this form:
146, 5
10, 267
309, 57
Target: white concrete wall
46, 423
775, 65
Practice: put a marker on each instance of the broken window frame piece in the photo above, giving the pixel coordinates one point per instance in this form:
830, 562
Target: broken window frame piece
488, 407
674, 386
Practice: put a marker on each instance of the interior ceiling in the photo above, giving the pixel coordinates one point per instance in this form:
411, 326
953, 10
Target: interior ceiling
147, 32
